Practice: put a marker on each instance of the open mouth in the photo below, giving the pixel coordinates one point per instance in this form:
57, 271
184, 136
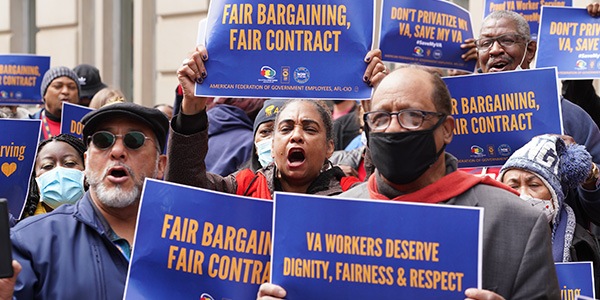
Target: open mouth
117, 174
498, 66
296, 156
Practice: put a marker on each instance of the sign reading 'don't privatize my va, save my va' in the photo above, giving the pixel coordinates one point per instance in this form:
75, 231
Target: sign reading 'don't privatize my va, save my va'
497, 113
310, 49
71, 119
425, 32
569, 39
192, 243
332, 248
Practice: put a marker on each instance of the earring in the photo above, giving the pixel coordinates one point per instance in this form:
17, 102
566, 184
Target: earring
277, 172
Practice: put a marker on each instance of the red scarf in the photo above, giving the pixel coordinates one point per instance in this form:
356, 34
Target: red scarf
252, 184
256, 185
446, 188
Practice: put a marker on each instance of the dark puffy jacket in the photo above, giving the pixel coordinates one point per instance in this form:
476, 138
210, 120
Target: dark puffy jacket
67, 254
584, 247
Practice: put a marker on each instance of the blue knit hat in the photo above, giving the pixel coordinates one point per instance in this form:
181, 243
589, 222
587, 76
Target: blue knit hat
561, 167
56, 72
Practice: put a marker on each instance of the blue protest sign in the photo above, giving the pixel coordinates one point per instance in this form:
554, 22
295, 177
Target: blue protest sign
307, 49
198, 244
18, 146
21, 78
426, 32
497, 113
575, 279
331, 248
71, 118
569, 40
529, 9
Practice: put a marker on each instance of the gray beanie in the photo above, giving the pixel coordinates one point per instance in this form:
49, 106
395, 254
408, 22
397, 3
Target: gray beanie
56, 72
561, 167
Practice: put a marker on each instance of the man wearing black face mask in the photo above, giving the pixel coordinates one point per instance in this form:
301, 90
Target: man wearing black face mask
409, 126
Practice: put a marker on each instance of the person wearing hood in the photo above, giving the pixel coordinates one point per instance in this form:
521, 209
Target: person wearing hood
230, 120
543, 172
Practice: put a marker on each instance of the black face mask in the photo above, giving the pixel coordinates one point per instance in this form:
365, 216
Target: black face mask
402, 157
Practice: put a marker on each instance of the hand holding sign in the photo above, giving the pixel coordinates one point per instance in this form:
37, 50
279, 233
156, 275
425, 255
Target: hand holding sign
376, 70
594, 9
475, 294
191, 72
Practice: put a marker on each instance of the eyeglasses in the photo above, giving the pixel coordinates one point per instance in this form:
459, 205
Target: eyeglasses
408, 118
105, 139
506, 41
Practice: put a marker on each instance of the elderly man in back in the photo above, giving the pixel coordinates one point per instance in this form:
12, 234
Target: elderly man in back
505, 44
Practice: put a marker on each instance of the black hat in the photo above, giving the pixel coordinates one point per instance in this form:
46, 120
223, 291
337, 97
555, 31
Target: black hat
268, 112
154, 118
89, 79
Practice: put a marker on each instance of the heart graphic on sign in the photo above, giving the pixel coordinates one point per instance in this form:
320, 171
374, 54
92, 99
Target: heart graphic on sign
8, 169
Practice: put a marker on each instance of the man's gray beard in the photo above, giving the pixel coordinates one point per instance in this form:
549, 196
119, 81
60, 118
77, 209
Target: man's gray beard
116, 197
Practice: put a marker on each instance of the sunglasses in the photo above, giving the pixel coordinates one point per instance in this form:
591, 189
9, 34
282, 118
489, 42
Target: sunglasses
105, 139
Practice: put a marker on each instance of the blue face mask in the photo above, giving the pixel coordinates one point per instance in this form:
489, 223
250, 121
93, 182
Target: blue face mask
60, 186
263, 150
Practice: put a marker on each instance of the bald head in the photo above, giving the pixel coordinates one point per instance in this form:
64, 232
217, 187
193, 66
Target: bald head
416, 86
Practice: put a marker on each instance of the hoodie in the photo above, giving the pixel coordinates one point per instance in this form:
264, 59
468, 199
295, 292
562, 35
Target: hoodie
230, 139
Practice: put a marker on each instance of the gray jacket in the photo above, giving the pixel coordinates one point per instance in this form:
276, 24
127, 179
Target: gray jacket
517, 254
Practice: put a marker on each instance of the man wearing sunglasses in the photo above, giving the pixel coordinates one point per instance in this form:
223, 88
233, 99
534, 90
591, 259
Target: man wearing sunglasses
409, 127
83, 250
505, 44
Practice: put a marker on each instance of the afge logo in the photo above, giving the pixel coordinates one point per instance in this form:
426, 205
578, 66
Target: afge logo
301, 75
504, 150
